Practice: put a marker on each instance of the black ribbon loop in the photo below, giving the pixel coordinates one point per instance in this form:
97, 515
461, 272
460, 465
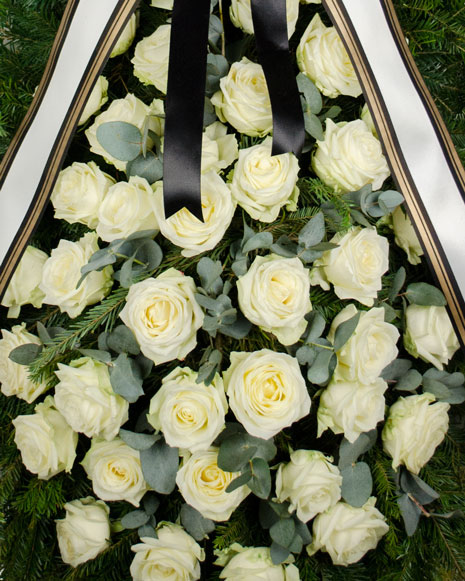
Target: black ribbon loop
185, 102
186, 94
270, 28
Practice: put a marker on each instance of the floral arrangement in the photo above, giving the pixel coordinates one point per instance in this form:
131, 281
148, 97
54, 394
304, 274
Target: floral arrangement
254, 396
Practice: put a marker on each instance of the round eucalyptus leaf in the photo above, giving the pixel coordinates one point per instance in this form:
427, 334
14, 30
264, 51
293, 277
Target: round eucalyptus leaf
120, 139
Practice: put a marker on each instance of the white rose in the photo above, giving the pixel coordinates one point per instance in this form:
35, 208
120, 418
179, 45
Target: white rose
350, 157
126, 38
115, 471
164, 315
130, 110
78, 193
127, 208
414, 429
172, 555
275, 295
347, 533
186, 230
151, 58
219, 149
243, 99
165, 4
13, 376
266, 391
86, 399
97, 98
369, 350
84, 532
366, 117
23, 288
429, 334
262, 184
405, 236
354, 268
241, 15
310, 482
321, 56
203, 485
62, 272
351, 408
46, 442
247, 563
190, 414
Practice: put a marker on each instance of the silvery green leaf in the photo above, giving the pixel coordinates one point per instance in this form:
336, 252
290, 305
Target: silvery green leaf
323, 367
125, 274
303, 531
194, 523
149, 167
147, 530
397, 284
357, 484
283, 531
43, 333
350, 452
209, 115
122, 340
120, 139
143, 366
150, 253
214, 33
235, 452
150, 502
332, 112
316, 326
259, 240
217, 67
244, 478
309, 255
311, 94
260, 483
25, 354
123, 379
305, 355
414, 485
410, 513
138, 441
359, 218
138, 235
390, 314
160, 466
239, 267
437, 388
410, 381
278, 553
284, 247
98, 261
313, 126
313, 232
207, 302
134, 519
422, 293
237, 330
345, 331
359, 197
296, 544
97, 354
455, 379
389, 200
324, 246
396, 369
102, 341
268, 517
209, 272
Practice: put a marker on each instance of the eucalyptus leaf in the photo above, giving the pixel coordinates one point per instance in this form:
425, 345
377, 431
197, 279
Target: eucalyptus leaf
323, 367
237, 330
217, 68
43, 333
242, 479
296, 544
396, 369
389, 200
316, 326
235, 452
283, 531
150, 253
313, 126
455, 379
311, 94
135, 519
97, 354
357, 484
143, 365
98, 261
284, 247
147, 530
150, 502
138, 441
209, 271
257, 241
160, 466
209, 115
422, 293
345, 330
194, 523
123, 379
120, 139
278, 553
126, 278
410, 513
313, 232
149, 167
397, 284
267, 515
410, 381
122, 340
350, 452
25, 354
260, 483
414, 485
215, 30
306, 355
303, 531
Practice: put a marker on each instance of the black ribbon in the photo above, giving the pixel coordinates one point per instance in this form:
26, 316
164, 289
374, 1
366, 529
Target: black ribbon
186, 94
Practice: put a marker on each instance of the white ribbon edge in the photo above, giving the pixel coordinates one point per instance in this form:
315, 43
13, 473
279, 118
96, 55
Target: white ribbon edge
27, 168
417, 137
